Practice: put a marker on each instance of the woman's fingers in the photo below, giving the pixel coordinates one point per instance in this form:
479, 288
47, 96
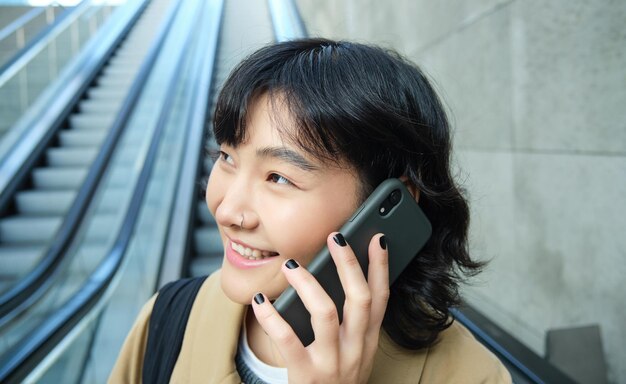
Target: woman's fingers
338, 349
288, 343
324, 317
357, 305
378, 280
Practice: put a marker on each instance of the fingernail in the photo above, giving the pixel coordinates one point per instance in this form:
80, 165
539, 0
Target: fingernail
339, 239
291, 264
383, 242
259, 299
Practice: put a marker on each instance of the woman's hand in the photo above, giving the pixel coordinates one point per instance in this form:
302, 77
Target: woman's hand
341, 353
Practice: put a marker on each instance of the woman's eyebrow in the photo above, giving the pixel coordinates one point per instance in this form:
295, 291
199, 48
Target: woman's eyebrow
288, 155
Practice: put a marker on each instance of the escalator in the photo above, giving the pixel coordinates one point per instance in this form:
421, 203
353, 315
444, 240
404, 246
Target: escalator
35, 324
34, 214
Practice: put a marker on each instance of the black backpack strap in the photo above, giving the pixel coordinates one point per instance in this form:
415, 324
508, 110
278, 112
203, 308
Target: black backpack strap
167, 328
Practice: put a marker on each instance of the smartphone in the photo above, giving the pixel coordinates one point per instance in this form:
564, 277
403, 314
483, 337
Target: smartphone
391, 210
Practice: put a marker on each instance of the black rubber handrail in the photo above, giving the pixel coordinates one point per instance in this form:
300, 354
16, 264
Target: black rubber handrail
520, 360
31, 287
29, 353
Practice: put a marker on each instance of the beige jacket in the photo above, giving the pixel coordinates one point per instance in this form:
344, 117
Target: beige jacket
210, 342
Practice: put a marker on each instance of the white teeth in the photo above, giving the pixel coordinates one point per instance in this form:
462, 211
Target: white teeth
249, 253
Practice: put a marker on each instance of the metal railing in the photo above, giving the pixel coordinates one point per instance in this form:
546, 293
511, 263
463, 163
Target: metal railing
41, 60
16, 34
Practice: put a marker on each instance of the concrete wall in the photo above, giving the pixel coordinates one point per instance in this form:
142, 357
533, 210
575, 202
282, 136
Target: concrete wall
537, 93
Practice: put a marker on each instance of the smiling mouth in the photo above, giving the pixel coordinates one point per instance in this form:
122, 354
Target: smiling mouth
251, 253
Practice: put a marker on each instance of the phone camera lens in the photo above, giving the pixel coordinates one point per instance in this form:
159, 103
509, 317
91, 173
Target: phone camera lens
394, 197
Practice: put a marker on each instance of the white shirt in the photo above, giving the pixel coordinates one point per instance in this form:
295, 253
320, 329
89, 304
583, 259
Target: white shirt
264, 371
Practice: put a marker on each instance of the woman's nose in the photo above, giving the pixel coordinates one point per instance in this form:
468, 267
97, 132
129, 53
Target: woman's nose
236, 209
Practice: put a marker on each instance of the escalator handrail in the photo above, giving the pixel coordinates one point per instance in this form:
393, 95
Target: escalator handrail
30, 288
38, 43
508, 349
286, 20
20, 22
32, 350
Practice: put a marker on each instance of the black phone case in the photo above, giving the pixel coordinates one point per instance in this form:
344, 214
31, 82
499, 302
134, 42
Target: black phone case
406, 230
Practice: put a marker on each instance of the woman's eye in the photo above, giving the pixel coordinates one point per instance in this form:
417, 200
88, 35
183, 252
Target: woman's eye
278, 179
226, 157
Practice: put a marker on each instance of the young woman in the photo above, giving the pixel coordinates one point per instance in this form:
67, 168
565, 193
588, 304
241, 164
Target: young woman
307, 129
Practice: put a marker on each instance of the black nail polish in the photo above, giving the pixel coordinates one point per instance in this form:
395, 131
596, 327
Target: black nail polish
291, 264
259, 299
339, 239
383, 242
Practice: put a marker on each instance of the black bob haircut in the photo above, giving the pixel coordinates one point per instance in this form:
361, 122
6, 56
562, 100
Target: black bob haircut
370, 109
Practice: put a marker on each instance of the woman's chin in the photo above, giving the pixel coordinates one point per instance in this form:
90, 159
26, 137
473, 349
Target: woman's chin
242, 292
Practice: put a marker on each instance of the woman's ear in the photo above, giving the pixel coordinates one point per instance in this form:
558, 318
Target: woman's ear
411, 187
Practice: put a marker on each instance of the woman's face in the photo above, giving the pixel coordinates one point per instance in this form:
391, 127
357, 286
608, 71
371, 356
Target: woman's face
289, 203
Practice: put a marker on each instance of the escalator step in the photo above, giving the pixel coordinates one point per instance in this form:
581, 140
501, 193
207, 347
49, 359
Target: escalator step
58, 178
81, 138
34, 202
70, 157
115, 80
100, 105
91, 121
106, 93
119, 86
123, 70
134, 61
17, 260
33, 230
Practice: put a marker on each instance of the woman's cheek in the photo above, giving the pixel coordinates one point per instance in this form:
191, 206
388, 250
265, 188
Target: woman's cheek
308, 236
214, 191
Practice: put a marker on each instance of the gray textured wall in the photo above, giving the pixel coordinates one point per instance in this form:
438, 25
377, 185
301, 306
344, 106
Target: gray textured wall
537, 94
